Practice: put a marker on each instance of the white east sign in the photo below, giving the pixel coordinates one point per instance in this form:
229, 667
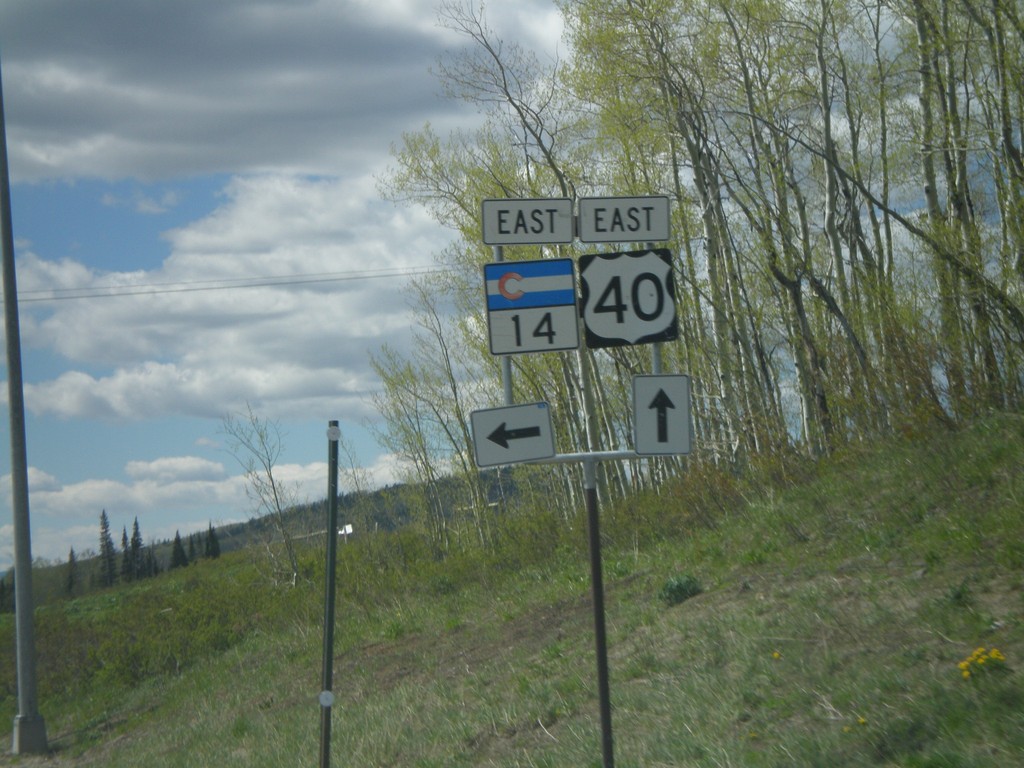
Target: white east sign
524, 221
623, 219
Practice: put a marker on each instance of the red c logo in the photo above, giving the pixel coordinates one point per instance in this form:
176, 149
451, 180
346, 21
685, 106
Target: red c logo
503, 281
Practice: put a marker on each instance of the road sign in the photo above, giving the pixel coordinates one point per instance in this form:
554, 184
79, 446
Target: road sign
531, 306
661, 415
512, 434
628, 298
623, 219
527, 221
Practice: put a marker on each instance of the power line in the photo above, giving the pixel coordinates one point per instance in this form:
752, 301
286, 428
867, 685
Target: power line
221, 284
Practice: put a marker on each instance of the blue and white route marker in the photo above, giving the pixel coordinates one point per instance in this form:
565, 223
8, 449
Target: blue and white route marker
531, 306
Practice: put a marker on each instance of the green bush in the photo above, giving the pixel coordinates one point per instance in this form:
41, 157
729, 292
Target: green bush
680, 588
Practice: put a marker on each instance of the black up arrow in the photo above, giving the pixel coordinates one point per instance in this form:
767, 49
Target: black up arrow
662, 403
501, 435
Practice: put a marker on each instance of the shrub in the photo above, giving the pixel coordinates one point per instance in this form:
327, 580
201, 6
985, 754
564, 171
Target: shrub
680, 588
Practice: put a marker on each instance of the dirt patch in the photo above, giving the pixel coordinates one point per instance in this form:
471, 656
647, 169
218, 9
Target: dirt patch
418, 657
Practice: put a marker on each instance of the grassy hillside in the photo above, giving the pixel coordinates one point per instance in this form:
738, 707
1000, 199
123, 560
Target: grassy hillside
864, 611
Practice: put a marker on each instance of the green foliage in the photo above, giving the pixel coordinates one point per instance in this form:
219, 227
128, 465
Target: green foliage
839, 646
108, 567
679, 589
211, 545
179, 558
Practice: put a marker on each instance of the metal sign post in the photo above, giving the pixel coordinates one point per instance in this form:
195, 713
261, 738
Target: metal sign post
326, 692
506, 361
597, 592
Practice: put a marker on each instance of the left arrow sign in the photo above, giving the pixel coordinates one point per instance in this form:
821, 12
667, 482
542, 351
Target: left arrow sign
502, 434
528, 439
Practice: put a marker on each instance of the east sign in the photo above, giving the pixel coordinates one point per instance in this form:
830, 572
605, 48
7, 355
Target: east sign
623, 219
525, 221
550, 221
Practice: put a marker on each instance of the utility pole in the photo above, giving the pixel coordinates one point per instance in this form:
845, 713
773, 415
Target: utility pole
29, 727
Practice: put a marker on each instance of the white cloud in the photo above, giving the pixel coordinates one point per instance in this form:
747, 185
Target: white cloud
535, 26
386, 470
277, 297
54, 544
166, 495
175, 468
294, 103
143, 203
203, 87
38, 480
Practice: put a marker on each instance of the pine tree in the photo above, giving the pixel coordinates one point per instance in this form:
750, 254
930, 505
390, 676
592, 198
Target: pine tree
108, 555
150, 566
178, 556
126, 558
135, 547
72, 575
212, 544
191, 547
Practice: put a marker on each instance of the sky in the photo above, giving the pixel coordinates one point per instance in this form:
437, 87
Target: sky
198, 231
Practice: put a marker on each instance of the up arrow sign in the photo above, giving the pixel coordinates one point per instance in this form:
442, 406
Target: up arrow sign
661, 403
661, 415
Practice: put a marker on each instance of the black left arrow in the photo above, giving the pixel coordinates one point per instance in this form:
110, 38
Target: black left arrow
501, 435
662, 403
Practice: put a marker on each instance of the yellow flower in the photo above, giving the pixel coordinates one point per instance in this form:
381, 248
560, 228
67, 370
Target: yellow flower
862, 721
776, 655
966, 674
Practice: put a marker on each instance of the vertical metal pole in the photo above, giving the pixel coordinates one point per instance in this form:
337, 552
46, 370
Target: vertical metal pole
506, 360
597, 586
326, 692
656, 356
29, 726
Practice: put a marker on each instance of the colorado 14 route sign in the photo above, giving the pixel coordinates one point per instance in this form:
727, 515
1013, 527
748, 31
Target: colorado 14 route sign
628, 298
531, 306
